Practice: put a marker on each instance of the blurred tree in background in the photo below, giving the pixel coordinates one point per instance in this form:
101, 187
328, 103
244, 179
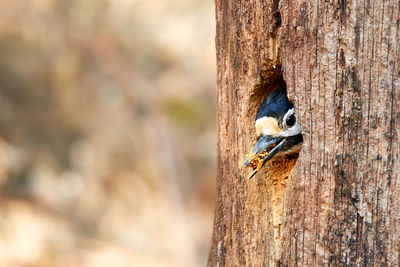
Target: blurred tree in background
107, 132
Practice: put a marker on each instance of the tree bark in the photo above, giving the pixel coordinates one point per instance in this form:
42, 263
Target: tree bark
340, 205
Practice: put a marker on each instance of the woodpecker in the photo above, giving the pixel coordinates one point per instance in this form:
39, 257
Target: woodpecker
278, 131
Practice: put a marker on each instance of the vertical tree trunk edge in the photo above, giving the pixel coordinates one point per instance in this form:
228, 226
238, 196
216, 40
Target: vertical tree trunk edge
340, 62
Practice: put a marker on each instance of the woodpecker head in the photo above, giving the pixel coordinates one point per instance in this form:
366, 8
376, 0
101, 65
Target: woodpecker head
278, 131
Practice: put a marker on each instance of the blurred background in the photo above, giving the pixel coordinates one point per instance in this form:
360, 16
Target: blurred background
107, 132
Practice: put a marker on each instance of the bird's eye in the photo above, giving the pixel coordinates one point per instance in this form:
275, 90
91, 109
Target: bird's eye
291, 120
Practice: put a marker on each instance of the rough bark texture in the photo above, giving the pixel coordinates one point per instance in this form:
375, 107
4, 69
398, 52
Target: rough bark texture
341, 204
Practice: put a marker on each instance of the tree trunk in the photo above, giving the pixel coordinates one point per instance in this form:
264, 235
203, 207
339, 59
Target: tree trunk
340, 205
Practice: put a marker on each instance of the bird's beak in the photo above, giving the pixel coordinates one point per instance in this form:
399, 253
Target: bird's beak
265, 149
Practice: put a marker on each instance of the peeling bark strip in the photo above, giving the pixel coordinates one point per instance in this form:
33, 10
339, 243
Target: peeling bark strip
340, 62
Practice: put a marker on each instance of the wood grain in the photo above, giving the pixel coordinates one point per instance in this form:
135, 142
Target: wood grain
341, 204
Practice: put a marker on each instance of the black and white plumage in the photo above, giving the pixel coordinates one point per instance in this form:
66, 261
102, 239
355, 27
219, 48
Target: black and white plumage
278, 130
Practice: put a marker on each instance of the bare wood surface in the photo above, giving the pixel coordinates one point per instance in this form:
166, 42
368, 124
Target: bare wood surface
341, 203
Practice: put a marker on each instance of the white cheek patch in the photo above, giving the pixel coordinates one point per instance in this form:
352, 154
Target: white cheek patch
267, 126
295, 130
